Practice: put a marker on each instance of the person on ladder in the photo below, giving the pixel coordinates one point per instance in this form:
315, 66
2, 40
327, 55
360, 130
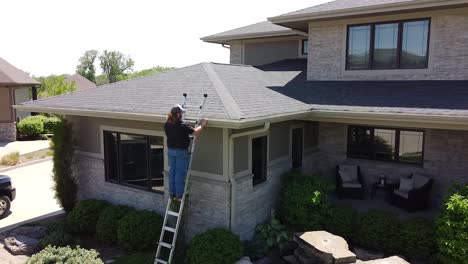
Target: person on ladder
178, 141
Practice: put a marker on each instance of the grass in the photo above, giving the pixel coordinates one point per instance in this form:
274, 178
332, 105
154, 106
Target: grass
10, 159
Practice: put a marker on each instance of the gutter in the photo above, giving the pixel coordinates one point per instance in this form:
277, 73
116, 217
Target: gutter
265, 128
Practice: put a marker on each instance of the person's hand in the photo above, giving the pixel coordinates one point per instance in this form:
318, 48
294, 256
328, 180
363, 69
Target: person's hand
203, 122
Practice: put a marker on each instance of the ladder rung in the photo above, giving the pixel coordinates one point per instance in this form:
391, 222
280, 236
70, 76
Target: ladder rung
161, 261
170, 229
173, 213
166, 245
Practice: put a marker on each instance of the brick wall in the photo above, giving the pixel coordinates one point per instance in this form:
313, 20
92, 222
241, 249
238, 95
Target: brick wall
7, 132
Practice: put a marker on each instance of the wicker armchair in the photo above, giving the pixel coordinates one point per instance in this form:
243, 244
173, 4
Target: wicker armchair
414, 200
353, 189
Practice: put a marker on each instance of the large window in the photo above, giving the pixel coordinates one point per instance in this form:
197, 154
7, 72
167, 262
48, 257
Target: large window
134, 160
259, 159
387, 144
391, 45
304, 46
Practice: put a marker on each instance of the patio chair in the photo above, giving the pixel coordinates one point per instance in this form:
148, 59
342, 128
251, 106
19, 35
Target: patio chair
349, 182
415, 199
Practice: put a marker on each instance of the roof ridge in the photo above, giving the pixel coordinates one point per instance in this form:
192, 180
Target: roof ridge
228, 101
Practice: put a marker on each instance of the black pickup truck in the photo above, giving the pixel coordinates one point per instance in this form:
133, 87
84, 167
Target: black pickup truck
7, 194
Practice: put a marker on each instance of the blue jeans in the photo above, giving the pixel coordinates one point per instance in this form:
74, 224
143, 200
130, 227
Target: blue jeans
178, 165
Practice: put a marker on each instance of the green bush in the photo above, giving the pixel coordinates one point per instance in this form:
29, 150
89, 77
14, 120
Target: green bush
51, 255
139, 230
272, 235
106, 226
65, 185
303, 203
50, 123
84, 216
379, 231
417, 239
216, 246
31, 126
452, 227
59, 236
344, 222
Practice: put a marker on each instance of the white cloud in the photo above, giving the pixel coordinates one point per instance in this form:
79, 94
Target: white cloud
48, 36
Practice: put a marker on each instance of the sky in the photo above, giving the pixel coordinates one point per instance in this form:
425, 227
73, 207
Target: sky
48, 36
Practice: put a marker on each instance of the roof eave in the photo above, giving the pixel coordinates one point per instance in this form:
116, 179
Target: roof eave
230, 38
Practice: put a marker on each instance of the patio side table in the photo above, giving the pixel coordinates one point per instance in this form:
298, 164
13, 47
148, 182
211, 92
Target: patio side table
377, 186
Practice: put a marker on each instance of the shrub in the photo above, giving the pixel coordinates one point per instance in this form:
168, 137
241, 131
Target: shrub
215, 246
136, 258
272, 235
65, 186
303, 203
58, 235
452, 227
10, 159
31, 126
50, 123
343, 221
379, 231
417, 238
84, 216
106, 226
65, 255
139, 230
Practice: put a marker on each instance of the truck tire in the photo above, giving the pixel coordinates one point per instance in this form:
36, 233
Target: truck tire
5, 204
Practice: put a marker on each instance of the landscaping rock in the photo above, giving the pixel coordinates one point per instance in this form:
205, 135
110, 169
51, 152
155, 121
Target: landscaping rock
244, 260
22, 245
37, 232
364, 254
325, 246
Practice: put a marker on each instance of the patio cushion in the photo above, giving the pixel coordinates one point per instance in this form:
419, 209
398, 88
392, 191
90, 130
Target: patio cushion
401, 193
348, 173
419, 180
356, 185
406, 184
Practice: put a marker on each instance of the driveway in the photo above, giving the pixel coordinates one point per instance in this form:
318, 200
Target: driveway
23, 147
34, 194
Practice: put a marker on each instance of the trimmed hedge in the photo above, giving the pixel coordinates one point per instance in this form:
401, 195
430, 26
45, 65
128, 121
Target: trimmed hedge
452, 227
417, 238
84, 216
344, 221
139, 230
31, 126
216, 246
379, 231
65, 255
108, 222
50, 123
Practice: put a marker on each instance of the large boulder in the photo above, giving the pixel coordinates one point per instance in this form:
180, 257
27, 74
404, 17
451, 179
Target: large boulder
25, 240
390, 260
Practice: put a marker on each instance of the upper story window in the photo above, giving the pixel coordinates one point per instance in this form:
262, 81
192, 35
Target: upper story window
304, 46
389, 45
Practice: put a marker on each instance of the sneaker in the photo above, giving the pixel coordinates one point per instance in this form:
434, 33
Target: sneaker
179, 198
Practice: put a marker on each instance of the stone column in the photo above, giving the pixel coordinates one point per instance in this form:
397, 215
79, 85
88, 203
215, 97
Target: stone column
7, 132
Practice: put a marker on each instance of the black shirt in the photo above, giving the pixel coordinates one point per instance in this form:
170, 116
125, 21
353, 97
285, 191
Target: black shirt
178, 134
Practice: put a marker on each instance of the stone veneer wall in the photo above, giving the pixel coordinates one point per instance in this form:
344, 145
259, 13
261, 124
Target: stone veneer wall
210, 210
445, 158
7, 132
448, 56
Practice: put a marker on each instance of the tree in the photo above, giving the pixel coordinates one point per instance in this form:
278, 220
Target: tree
86, 67
154, 70
115, 64
54, 85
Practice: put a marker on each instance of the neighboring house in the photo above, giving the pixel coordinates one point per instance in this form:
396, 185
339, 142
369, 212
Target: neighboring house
15, 87
395, 70
81, 82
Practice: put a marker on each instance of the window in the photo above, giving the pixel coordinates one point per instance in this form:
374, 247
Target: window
259, 159
390, 45
304, 46
387, 144
134, 160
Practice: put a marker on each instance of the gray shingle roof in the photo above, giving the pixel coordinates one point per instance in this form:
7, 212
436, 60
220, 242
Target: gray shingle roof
11, 75
81, 82
261, 29
235, 93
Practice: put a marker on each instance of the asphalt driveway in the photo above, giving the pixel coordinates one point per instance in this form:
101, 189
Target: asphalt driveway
34, 195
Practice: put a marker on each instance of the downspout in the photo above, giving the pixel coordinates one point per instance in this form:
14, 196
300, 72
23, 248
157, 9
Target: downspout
231, 167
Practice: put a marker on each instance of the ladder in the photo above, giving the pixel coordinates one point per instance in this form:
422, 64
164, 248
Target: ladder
168, 238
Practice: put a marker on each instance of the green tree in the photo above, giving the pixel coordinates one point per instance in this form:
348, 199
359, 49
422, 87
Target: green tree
86, 67
115, 64
153, 70
54, 85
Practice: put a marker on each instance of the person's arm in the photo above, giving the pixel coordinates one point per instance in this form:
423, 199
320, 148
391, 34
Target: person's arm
197, 131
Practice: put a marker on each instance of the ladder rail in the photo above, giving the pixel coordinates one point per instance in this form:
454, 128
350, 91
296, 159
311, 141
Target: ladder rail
161, 243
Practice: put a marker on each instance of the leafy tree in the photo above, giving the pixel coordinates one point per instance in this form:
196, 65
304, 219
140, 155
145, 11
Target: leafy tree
149, 71
101, 79
115, 64
54, 85
86, 67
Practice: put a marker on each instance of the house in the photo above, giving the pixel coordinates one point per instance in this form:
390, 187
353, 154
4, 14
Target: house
322, 84
81, 82
15, 87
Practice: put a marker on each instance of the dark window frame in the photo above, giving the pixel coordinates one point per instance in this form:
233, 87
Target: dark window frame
304, 52
399, 44
263, 178
119, 161
396, 157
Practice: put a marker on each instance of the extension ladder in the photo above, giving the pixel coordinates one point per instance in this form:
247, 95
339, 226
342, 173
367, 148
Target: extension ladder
167, 240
